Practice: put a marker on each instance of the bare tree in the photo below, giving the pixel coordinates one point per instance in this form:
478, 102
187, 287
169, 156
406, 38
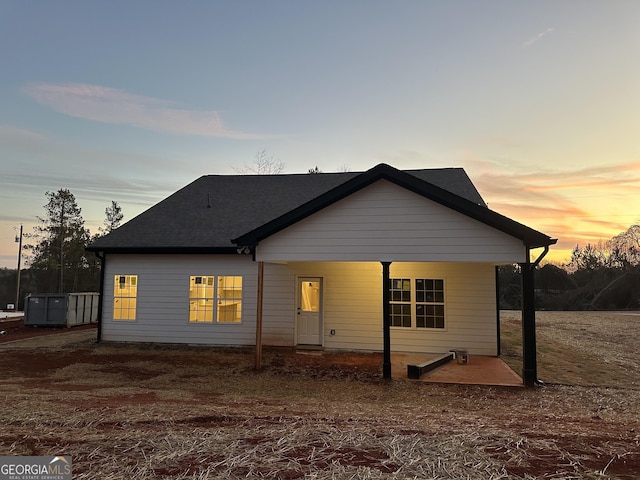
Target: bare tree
626, 248
263, 164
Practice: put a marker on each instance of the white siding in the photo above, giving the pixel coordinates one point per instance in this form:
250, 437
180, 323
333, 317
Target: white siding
470, 310
386, 222
353, 307
352, 303
163, 299
279, 305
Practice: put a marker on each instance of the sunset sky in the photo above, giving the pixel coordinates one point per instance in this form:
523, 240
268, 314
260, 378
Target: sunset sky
130, 101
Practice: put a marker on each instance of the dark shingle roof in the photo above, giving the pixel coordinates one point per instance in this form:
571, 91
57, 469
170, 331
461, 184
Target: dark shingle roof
210, 212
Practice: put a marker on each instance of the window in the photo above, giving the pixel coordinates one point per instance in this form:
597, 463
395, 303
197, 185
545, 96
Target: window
310, 296
429, 303
212, 299
229, 299
400, 289
125, 292
424, 309
201, 298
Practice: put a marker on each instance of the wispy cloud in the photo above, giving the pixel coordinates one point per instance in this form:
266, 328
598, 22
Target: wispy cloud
578, 206
38, 163
108, 105
18, 138
538, 37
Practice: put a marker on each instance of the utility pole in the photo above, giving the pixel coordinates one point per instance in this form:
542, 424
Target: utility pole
19, 240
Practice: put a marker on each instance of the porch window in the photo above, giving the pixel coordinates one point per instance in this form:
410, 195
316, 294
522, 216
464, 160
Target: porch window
400, 302
125, 293
417, 303
429, 303
201, 298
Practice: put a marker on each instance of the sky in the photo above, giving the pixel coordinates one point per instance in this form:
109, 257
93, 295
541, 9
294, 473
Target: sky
129, 101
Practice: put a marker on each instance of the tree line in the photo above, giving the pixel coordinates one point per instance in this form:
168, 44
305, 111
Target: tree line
55, 251
601, 276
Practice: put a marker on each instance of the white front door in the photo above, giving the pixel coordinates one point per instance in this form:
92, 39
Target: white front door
309, 317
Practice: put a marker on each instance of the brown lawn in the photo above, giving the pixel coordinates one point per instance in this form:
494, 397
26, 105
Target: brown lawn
138, 412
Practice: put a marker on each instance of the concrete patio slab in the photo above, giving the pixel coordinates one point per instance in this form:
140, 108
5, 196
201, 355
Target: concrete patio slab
480, 370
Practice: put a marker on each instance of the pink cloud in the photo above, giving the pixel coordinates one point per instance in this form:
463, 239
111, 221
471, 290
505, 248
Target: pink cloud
577, 206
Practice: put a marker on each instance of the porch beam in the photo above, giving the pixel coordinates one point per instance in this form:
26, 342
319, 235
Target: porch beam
529, 357
258, 359
386, 321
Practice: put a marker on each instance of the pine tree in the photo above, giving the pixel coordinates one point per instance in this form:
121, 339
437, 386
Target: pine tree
113, 217
58, 244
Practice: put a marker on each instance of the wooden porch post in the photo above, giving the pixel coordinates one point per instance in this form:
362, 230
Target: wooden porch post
386, 322
258, 363
529, 358
103, 259
499, 342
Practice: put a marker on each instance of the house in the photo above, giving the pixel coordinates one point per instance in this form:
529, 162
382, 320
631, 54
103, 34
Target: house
383, 260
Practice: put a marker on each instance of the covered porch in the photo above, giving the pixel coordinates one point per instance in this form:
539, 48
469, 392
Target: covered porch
401, 266
367, 325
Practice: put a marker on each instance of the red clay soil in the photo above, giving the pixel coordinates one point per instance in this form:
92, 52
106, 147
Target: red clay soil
35, 366
17, 330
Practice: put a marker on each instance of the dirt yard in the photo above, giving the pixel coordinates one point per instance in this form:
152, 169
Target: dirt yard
143, 412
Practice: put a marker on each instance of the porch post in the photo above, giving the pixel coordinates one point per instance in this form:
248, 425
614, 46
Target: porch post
258, 360
103, 259
529, 359
497, 275
386, 322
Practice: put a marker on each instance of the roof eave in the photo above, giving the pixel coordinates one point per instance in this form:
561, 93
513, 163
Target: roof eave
163, 250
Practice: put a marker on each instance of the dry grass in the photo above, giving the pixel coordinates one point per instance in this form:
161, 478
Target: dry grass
134, 412
580, 348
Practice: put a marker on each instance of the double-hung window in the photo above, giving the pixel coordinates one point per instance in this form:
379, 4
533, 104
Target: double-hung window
400, 290
215, 299
125, 293
429, 303
417, 302
229, 299
201, 298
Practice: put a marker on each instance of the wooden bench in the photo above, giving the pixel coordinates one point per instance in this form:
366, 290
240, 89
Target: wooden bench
416, 371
